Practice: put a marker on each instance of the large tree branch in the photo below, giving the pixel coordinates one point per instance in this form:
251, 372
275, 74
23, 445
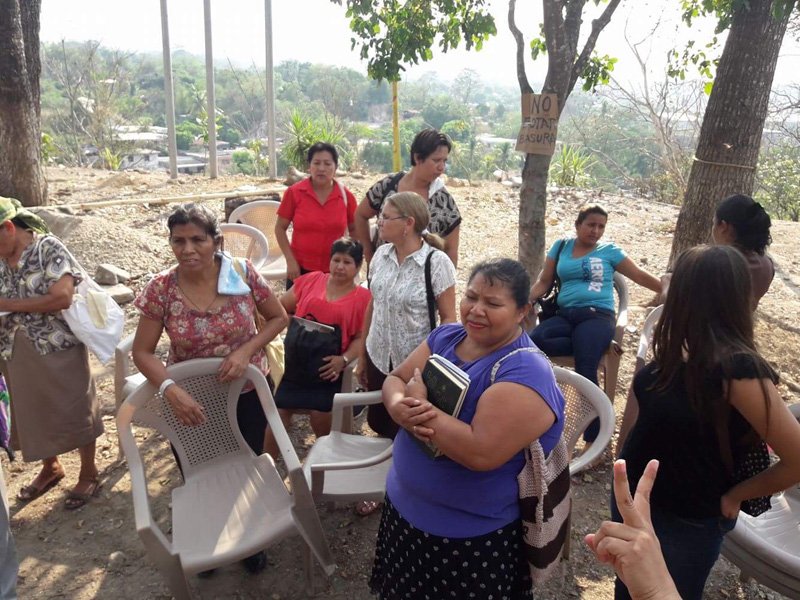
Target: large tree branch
522, 78
597, 26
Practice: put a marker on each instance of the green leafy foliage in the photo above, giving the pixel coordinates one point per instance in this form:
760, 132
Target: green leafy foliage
703, 59
49, 148
303, 131
377, 156
570, 167
597, 71
391, 34
111, 160
250, 161
458, 130
778, 181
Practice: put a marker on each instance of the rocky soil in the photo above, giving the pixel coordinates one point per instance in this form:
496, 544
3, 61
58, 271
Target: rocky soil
95, 553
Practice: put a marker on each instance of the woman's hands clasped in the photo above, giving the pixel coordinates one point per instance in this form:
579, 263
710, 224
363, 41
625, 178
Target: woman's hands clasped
414, 413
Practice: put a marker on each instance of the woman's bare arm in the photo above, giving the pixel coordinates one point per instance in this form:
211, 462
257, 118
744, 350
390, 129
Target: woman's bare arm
446, 305
780, 430
58, 297
629, 268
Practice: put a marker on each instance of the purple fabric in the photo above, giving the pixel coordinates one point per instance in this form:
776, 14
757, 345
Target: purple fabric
444, 498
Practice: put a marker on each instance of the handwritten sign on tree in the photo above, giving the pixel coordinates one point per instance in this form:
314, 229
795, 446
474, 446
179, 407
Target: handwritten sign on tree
539, 124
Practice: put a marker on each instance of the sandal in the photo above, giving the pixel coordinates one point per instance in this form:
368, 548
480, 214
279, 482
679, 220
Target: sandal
31, 492
76, 500
364, 508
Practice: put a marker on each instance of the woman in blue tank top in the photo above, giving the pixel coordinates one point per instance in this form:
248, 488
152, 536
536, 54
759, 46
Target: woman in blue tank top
584, 324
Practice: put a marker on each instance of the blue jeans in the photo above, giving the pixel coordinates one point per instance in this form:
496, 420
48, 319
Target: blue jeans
584, 333
690, 548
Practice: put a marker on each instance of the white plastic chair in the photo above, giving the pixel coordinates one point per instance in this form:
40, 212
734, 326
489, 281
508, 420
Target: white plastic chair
646, 337
609, 363
767, 548
244, 241
263, 214
584, 402
125, 382
232, 503
346, 467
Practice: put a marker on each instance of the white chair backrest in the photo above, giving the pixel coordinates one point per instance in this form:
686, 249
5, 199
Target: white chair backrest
646, 337
245, 241
621, 287
261, 214
584, 402
219, 437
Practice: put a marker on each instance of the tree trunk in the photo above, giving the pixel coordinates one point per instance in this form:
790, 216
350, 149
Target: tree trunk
565, 65
21, 173
730, 137
532, 207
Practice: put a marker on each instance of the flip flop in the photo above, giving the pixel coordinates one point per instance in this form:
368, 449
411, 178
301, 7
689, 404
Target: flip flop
31, 492
76, 500
364, 508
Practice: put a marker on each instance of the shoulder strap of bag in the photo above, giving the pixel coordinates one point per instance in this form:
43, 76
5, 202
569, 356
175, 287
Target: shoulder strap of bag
561, 244
240, 266
429, 291
496, 367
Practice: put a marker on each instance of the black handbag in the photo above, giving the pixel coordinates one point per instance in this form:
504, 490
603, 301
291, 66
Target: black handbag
306, 344
548, 304
750, 463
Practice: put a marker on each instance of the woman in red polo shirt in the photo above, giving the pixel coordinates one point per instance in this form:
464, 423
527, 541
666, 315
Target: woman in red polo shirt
321, 212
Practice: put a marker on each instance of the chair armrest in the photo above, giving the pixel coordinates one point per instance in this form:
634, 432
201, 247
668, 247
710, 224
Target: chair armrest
122, 366
355, 464
622, 323
146, 526
348, 400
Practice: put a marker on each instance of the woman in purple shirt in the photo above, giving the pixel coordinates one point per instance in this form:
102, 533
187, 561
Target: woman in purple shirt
451, 525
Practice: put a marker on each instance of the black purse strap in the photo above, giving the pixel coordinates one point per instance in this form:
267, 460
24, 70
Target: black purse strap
429, 292
557, 279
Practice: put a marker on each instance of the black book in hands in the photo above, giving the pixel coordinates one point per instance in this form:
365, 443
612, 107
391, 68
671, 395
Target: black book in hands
447, 386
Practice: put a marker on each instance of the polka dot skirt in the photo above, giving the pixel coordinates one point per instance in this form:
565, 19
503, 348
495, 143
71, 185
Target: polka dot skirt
410, 563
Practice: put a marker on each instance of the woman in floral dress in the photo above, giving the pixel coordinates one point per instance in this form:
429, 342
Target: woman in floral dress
190, 302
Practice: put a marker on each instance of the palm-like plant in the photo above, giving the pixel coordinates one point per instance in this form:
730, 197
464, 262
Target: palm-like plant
571, 167
302, 132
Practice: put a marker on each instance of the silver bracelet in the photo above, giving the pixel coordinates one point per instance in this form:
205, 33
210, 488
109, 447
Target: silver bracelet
164, 385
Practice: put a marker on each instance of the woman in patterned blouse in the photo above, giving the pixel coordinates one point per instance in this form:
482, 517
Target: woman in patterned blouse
202, 322
429, 152
54, 405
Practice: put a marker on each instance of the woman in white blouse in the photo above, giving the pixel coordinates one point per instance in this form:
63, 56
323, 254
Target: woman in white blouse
398, 317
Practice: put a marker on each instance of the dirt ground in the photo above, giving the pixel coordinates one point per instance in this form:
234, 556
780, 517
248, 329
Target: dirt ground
95, 553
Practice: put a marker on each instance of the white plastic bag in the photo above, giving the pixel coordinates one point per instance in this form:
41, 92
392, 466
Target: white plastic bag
95, 319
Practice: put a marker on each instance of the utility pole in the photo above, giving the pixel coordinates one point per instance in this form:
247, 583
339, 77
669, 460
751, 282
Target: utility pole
211, 109
273, 160
395, 128
168, 93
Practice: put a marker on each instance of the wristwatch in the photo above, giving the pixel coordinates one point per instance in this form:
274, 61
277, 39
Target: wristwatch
345, 359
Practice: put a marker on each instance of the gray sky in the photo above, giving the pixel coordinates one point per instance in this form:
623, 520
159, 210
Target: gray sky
316, 31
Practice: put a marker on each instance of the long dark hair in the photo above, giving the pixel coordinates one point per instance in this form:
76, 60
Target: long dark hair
706, 327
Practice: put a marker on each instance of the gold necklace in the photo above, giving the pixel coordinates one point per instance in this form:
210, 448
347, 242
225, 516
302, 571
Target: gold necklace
192, 302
